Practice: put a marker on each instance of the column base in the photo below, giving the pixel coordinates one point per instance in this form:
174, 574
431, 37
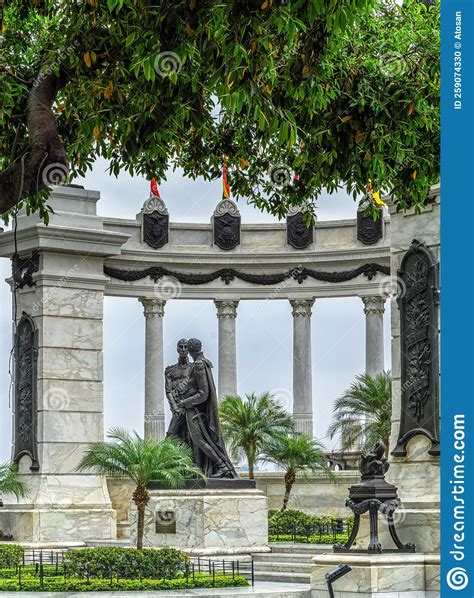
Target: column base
155, 427
378, 576
303, 423
60, 508
206, 521
58, 525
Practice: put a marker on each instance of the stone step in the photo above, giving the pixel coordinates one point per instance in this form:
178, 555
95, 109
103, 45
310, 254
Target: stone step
272, 557
124, 542
290, 547
282, 577
283, 567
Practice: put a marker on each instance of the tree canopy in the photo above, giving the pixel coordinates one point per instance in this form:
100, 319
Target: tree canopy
299, 95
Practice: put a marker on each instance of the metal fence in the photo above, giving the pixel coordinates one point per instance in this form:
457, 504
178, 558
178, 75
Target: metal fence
311, 533
51, 563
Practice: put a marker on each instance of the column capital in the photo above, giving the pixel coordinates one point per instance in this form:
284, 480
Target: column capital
373, 304
302, 307
152, 307
226, 308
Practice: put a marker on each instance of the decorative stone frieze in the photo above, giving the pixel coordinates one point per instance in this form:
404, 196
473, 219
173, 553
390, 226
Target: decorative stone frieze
26, 357
419, 362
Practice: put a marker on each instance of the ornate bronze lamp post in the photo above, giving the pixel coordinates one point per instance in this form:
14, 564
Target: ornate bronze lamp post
374, 494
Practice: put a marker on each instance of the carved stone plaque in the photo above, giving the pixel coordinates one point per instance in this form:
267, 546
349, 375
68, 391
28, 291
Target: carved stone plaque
155, 225
226, 225
165, 522
26, 355
369, 231
298, 235
418, 302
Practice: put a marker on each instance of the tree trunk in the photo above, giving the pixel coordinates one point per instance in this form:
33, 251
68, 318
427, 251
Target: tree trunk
141, 498
386, 441
45, 163
251, 473
290, 478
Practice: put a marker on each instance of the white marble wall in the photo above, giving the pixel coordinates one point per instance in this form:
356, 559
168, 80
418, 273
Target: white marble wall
417, 475
378, 576
67, 306
209, 521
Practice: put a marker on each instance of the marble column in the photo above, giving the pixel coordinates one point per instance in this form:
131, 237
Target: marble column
227, 374
374, 341
302, 366
154, 310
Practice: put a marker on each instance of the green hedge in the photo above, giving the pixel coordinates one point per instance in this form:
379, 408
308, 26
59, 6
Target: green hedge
163, 563
11, 555
316, 539
59, 584
282, 520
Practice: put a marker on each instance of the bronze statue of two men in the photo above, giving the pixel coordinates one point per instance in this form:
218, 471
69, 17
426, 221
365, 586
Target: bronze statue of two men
192, 397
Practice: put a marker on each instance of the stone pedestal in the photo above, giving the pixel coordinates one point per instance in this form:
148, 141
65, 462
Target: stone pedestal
378, 576
206, 521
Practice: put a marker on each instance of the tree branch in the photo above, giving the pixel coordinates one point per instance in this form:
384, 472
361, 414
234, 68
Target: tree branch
45, 162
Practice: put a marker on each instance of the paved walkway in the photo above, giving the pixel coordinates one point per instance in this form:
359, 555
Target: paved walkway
263, 589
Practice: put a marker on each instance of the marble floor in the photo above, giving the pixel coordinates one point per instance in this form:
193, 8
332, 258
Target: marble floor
263, 589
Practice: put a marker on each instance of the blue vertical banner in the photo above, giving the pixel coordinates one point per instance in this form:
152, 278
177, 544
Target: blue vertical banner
457, 298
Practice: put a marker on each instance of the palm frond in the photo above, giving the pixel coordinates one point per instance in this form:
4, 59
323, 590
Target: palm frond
10, 482
298, 453
364, 410
167, 461
249, 423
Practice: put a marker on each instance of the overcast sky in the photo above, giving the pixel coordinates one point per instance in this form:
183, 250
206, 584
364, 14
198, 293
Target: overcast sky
264, 329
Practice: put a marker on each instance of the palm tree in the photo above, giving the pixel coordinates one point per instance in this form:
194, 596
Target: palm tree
142, 460
249, 424
364, 412
10, 482
296, 453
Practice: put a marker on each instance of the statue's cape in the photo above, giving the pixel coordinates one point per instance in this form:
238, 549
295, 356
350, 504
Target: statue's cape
212, 410
212, 416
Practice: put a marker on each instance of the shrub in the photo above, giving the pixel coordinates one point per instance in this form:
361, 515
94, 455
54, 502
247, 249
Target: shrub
315, 539
60, 584
163, 563
292, 520
11, 555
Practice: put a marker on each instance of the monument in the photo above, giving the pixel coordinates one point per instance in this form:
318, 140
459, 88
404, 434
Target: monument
192, 395
222, 514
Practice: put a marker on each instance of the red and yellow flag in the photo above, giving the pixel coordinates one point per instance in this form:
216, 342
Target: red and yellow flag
375, 194
225, 182
154, 188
